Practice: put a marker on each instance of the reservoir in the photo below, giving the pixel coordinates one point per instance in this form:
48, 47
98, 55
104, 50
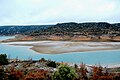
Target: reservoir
93, 57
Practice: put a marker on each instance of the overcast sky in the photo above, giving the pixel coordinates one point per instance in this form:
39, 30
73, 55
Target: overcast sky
27, 12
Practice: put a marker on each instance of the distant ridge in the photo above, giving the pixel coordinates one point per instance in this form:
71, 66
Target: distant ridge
18, 29
70, 28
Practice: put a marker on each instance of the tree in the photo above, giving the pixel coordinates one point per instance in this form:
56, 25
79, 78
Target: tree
52, 64
3, 59
64, 72
83, 72
2, 73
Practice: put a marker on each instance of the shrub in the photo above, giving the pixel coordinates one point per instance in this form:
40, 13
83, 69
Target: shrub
52, 64
64, 72
3, 59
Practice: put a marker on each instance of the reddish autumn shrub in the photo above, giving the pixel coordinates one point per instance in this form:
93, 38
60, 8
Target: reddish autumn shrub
15, 74
37, 75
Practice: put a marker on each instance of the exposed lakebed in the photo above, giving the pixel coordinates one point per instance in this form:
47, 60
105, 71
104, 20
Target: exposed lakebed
90, 57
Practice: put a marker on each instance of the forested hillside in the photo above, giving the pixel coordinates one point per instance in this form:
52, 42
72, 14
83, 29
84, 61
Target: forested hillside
12, 30
71, 29
93, 31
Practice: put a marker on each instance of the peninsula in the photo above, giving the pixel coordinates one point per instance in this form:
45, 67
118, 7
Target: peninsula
94, 31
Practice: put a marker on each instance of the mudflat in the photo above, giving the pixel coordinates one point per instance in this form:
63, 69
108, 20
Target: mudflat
58, 47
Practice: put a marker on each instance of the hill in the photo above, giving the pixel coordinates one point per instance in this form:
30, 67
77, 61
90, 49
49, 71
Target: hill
12, 30
94, 31
72, 29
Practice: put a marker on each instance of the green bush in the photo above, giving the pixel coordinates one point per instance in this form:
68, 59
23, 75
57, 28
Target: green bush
52, 64
3, 59
64, 72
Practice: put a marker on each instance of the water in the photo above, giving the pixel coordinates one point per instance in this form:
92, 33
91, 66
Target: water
5, 37
96, 57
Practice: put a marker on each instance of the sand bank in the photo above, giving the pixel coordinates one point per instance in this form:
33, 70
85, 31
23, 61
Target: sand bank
56, 47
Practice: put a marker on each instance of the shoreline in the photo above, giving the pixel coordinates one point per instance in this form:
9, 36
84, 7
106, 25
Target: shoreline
37, 50
93, 44
60, 47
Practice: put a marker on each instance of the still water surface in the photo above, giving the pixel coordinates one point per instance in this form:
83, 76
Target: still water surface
96, 57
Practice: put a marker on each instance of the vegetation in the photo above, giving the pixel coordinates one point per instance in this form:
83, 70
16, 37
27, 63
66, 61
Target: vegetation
12, 30
14, 74
64, 72
71, 29
3, 59
40, 70
52, 64
2, 74
37, 75
101, 31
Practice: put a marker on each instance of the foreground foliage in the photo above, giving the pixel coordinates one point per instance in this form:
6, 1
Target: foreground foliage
49, 70
64, 72
3, 59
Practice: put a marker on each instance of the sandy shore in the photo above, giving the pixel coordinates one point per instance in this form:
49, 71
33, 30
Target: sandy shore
56, 47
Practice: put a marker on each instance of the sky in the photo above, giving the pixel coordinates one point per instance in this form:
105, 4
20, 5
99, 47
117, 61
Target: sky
41, 12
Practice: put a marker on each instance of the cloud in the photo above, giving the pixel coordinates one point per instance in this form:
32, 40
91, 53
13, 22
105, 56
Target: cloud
22, 12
